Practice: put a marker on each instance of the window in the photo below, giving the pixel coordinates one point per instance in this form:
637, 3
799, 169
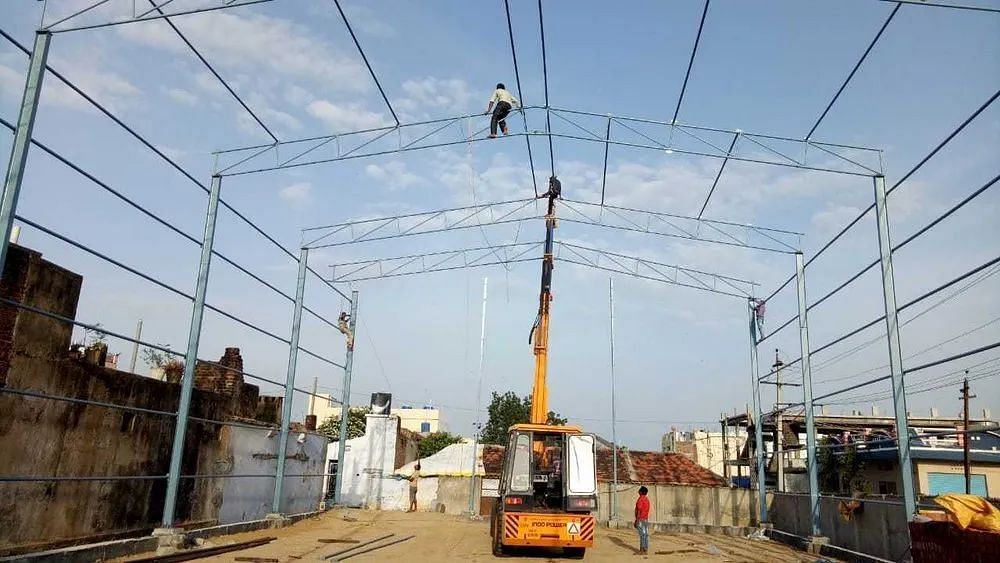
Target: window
425, 426
580, 465
520, 471
887, 488
942, 483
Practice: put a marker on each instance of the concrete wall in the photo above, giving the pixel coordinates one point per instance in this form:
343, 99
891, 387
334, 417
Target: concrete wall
675, 504
253, 452
879, 529
368, 466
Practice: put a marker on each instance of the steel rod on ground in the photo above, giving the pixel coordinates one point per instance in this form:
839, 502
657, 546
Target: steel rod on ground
373, 548
354, 547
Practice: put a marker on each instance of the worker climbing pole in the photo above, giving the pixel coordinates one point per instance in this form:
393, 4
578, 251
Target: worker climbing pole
540, 330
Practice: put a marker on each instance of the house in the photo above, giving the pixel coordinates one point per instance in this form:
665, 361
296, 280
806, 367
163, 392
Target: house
938, 466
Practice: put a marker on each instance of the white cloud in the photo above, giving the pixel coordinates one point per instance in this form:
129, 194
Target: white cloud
108, 88
298, 193
427, 93
393, 175
345, 117
258, 45
182, 96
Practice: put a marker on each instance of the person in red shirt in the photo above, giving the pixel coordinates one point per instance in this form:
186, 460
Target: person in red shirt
642, 520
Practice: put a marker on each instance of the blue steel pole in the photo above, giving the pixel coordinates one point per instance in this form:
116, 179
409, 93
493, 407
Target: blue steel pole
800, 277
345, 401
22, 139
895, 354
293, 356
758, 420
191, 357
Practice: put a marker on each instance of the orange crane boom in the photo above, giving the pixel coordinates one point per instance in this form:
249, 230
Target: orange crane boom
540, 331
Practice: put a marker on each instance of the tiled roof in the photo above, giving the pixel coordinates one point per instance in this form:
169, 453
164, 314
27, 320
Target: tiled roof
633, 467
671, 469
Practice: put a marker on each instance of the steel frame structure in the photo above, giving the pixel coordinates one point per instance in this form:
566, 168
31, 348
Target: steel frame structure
667, 137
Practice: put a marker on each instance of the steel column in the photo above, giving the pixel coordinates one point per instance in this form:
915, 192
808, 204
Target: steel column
22, 138
345, 400
895, 353
614, 422
811, 465
758, 418
191, 357
293, 356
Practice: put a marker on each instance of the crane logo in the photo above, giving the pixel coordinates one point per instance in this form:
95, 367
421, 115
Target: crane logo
573, 528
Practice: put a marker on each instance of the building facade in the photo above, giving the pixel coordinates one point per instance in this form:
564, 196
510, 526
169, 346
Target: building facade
424, 420
708, 449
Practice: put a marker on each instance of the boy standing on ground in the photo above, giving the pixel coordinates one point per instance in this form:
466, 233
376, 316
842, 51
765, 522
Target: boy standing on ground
500, 104
642, 520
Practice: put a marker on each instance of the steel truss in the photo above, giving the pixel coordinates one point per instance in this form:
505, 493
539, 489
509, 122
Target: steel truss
134, 14
512, 253
662, 136
670, 225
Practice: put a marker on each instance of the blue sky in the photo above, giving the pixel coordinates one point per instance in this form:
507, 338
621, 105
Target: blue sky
681, 355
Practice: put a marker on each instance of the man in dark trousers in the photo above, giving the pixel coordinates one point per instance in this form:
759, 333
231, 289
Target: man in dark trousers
501, 103
642, 520
555, 189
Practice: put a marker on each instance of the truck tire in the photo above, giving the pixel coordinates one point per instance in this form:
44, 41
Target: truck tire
498, 550
575, 552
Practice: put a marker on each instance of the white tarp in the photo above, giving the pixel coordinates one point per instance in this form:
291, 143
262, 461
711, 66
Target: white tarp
453, 461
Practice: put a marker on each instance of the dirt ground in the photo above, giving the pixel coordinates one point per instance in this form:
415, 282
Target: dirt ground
440, 538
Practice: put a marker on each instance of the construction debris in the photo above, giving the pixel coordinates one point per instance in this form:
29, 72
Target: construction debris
258, 559
324, 540
343, 551
207, 552
373, 548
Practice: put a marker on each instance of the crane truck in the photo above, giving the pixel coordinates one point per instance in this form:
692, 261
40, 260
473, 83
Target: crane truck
548, 484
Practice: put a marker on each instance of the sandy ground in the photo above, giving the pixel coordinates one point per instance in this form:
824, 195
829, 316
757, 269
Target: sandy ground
440, 538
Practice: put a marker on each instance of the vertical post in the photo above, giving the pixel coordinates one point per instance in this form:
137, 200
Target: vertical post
345, 400
725, 449
758, 418
22, 138
966, 436
191, 357
895, 353
614, 421
135, 346
293, 356
312, 398
811, 465
479, 402
779, 432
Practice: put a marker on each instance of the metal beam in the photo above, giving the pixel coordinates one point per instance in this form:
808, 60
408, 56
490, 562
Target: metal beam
345, 401
411, 224
191, 358
811, 461
22, 139
654, 271
143, 17
698, 145
432, 262
293, 356
895, 352
673, 225
758, 419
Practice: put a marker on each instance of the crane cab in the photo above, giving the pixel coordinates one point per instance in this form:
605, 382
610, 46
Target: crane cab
548, 490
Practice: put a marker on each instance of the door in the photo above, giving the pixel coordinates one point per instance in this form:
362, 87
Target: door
942, 483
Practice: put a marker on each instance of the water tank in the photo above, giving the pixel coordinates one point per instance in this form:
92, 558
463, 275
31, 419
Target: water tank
381, 403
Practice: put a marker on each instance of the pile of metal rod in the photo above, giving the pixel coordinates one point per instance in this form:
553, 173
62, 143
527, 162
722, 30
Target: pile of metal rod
364, 547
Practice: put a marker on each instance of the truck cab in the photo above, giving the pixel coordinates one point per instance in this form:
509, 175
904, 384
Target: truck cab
548, 490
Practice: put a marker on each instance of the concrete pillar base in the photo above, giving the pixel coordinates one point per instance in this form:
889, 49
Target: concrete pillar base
169, 540
277, 520
815, 544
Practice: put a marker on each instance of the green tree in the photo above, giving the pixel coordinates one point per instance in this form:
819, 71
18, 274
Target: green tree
507, 410
839, 471
355, 424
433, 443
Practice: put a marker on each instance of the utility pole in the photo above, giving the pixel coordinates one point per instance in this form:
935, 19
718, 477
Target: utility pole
614, 433
779, 429
135, 347
966, 436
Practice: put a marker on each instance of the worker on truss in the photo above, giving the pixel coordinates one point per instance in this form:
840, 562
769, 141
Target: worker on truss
501, 103
344, 325
555, 189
